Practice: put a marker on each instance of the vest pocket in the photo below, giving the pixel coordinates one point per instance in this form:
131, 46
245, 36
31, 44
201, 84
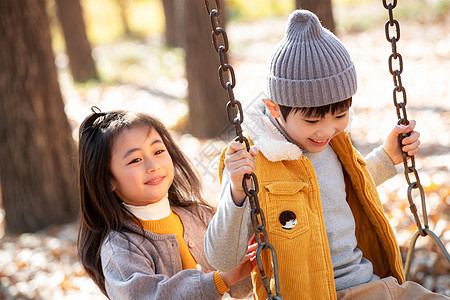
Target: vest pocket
286, 208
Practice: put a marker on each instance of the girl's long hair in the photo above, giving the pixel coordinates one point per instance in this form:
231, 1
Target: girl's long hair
101, 210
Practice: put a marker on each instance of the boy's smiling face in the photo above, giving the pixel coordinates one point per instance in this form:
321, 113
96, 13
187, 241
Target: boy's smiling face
310, 133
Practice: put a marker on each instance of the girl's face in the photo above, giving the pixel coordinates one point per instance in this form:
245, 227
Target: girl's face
141, 167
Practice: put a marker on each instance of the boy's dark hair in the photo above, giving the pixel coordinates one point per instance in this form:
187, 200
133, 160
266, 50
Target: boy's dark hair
316, 112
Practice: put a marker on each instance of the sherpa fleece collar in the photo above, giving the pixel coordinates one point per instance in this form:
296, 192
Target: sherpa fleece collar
269, 140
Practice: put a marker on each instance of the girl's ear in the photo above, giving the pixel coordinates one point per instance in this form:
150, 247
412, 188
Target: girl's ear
273, 108
112, 185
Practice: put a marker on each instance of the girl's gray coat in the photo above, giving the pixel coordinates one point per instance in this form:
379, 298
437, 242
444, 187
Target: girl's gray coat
149, 267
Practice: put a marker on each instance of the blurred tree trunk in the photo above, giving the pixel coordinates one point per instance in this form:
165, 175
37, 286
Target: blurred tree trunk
37, 152
78, 48
207, 98
322, 9
174, 15
123, 4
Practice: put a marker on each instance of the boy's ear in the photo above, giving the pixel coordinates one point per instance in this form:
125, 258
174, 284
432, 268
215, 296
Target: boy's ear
273, 108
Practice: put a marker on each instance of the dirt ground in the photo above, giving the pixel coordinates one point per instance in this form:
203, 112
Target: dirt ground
44, 265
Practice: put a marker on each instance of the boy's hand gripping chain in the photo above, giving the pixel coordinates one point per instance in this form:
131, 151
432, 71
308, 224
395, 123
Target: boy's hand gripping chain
257, 215
403, 119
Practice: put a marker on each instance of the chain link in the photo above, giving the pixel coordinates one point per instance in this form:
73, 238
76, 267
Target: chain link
402, 114
411, 174
228, 81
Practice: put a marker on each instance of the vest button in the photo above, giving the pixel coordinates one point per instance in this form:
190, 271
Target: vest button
191, 244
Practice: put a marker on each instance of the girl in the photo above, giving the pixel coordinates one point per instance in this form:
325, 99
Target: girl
143, 218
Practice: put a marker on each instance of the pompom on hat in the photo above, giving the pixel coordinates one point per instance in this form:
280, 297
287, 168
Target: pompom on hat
310, 67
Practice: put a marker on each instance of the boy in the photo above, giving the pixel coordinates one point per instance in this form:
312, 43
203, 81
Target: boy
339, 242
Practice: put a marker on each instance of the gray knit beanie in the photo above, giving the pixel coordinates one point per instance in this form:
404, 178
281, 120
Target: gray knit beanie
310, 67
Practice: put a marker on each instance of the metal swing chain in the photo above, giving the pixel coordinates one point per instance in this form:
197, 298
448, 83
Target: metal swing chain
256, 214
400, 107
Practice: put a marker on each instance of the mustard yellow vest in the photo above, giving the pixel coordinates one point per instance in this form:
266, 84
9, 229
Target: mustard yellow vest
304, 262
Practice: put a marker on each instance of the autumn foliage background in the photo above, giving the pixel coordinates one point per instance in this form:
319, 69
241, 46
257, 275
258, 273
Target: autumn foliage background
138, 72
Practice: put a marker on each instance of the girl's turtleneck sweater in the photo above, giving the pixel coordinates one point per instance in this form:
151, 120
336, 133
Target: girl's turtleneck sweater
160, 219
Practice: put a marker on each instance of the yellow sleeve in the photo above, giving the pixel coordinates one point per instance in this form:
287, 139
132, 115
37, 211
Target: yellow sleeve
220, 284
222, 163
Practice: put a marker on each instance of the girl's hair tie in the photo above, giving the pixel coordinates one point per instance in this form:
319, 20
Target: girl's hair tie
99, 116
97, 111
